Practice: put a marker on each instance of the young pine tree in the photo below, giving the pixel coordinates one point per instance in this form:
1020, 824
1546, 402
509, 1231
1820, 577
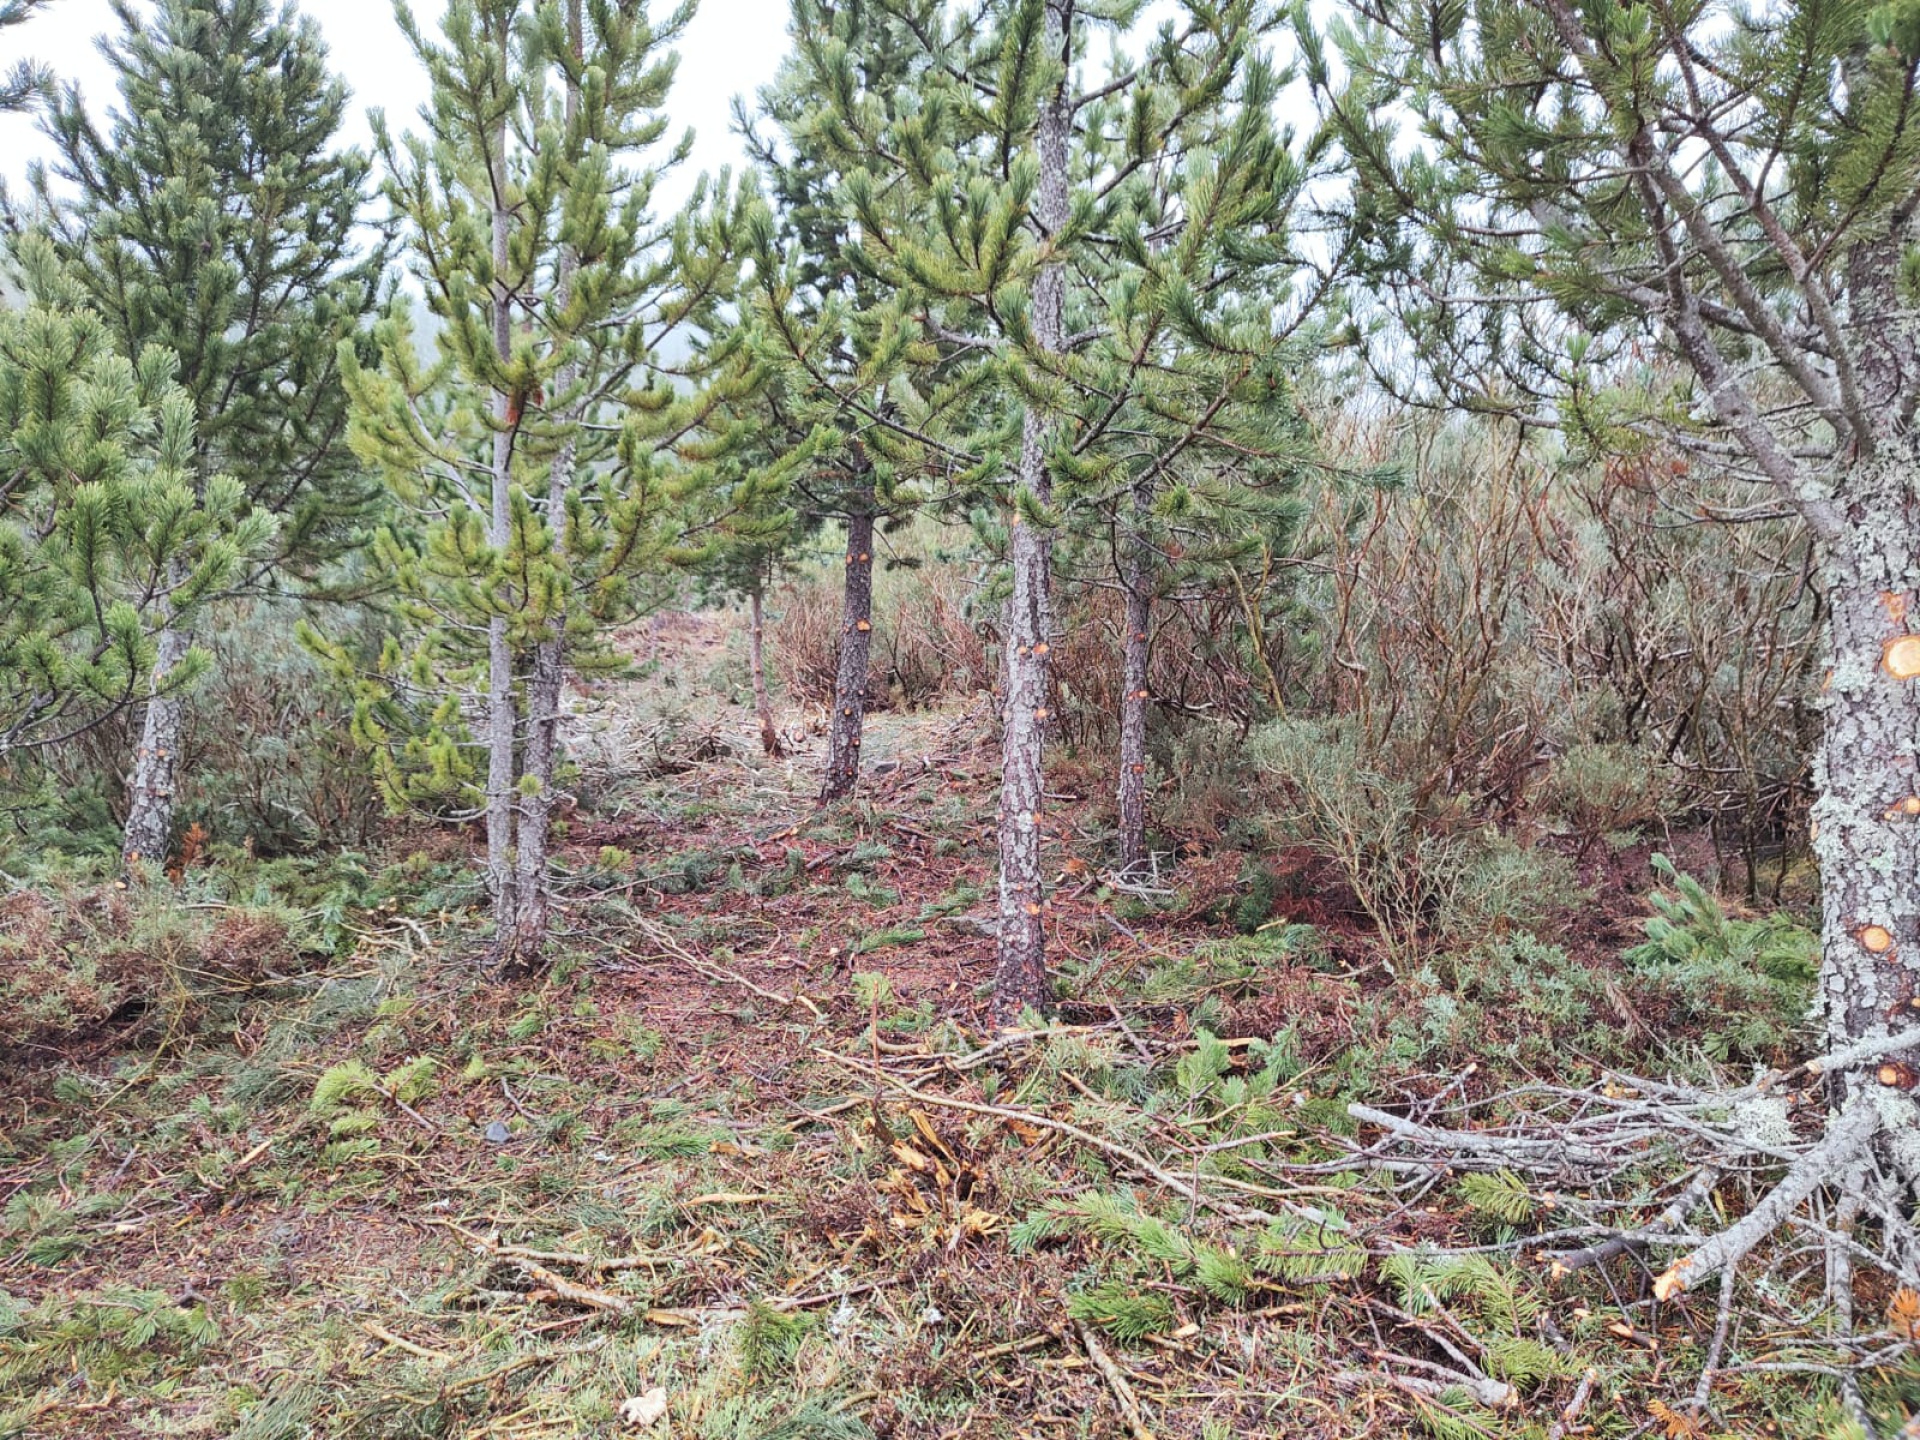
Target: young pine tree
1068, 281
533, 447
1184, 441
215, 215
830, 328
109, 540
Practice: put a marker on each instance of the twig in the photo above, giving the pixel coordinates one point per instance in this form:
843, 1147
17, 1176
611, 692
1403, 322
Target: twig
1703, 1391
380, 1332
1570, 1416
1122, 1392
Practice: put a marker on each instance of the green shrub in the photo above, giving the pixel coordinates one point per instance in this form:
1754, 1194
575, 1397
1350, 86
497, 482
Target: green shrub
1749, 980
1425, 874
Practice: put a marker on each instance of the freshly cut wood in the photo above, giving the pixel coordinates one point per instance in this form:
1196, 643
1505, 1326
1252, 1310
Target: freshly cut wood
1877, 938
1902, 657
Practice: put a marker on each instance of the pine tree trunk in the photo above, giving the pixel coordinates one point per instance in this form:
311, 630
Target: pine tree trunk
1020, 975
1135, 696
533, 905
856, 649
757, 670
1867, 813
502, 723
149, 831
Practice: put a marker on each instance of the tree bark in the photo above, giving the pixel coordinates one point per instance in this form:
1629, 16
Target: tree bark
1020, 975
1135, 694
533, 905
149, 830
856, 649
502, 720
1866, 831
757, 670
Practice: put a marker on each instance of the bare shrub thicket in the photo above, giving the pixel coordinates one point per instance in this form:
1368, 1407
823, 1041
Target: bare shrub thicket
1545, 645
927, 642
268, 761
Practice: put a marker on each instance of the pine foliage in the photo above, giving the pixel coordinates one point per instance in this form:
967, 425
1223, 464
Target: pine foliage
214, 213
588, 391
108, 531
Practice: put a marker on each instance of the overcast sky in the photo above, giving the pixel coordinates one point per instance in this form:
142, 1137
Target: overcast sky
732, 48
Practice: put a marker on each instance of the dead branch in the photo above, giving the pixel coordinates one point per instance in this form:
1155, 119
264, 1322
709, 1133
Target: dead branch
1847, 1136
1122, 1392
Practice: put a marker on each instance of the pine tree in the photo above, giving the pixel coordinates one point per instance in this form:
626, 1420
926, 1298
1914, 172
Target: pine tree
824, 324
214, 215
538, 444
1054, 332
108, 541
742, 524
1186, 441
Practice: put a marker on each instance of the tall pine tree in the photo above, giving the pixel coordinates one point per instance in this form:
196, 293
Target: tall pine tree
825, 322
537, 444
214, 214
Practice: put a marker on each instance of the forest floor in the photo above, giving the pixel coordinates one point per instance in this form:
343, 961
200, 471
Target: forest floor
746, 1164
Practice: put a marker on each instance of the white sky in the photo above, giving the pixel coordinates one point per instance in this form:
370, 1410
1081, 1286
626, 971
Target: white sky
732, 48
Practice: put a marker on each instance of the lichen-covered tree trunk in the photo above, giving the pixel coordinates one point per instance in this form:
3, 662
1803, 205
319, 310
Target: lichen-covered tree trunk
149, 830
1020, 974
1134, 697
1866, 813
856, 649
757, 672
1020, 977
502, 727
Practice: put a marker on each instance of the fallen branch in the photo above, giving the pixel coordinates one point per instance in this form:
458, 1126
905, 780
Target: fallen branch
1672, 1218
1848, 1134
1119, 1152
381, 1333
1122, 1392
1513, 1150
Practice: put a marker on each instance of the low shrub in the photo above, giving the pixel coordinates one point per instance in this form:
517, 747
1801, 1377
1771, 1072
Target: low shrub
78, 955
1427, 875
1745, 982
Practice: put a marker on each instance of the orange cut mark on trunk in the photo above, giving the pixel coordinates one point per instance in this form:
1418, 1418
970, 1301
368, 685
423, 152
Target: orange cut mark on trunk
1896, 606
1901, 658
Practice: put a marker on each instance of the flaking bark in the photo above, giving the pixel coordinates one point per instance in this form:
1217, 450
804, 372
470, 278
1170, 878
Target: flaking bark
856, 649
149, 830
1020, 975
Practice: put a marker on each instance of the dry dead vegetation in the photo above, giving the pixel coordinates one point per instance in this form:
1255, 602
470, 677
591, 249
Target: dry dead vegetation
745, 1166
